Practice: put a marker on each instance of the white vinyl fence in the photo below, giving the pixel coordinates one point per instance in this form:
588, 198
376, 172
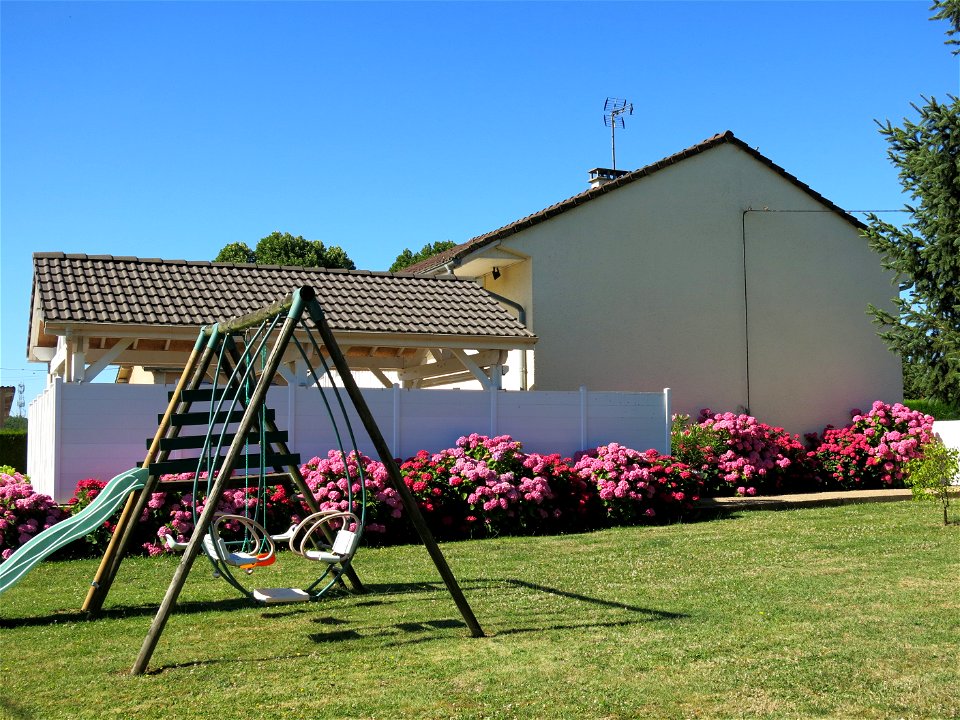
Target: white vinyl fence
98, 430
949, 432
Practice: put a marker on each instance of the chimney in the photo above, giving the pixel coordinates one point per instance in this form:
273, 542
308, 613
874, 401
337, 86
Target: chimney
601, 176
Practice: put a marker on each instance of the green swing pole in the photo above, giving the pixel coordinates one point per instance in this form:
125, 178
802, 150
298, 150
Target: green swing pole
295, 303
194, 370
386, 457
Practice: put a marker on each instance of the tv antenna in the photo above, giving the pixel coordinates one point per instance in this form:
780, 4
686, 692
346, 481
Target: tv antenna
613, 111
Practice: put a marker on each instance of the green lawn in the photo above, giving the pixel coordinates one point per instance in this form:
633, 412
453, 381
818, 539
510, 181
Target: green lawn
846, 612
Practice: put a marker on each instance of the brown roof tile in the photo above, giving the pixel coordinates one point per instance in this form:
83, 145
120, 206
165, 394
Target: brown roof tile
105, 289
538, 217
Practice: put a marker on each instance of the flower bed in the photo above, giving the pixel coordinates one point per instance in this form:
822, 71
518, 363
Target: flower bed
485, 487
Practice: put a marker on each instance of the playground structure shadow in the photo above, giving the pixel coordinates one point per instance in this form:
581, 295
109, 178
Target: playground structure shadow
393, 635
411, 633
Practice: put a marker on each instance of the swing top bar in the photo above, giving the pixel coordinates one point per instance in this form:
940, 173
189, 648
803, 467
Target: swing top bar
292, 303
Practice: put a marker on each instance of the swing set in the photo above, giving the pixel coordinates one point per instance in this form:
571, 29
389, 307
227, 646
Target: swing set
239, 442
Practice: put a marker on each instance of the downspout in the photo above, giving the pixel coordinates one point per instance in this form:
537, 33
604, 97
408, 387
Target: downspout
746, 316
522, 317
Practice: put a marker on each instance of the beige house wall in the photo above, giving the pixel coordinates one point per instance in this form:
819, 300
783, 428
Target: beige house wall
668, 282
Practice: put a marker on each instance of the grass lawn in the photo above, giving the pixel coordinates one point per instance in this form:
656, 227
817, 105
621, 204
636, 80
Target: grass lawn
845, 612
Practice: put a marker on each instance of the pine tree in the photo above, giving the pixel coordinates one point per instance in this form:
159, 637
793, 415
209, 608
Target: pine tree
925, 252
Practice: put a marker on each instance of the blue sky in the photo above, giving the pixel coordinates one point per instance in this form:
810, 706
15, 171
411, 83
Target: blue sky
171, 129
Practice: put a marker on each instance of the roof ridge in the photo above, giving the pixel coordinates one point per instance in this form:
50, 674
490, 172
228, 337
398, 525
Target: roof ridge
59, 255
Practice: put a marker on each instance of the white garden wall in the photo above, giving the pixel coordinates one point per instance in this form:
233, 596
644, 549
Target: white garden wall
80, 431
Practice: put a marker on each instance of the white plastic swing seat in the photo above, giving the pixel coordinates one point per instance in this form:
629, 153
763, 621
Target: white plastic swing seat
344, 545
236, 559
280, 596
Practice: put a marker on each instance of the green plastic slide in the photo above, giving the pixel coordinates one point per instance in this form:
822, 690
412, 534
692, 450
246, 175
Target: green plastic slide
104, 505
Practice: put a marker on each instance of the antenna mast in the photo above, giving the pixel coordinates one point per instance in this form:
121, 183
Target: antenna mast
613, 111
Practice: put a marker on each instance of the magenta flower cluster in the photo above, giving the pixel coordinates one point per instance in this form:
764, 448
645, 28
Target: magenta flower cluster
873, 449
23, 512
739, 455
633, 486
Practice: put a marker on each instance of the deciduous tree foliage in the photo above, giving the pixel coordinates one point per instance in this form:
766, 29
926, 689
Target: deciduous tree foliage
408, 258
925, 252
284, 249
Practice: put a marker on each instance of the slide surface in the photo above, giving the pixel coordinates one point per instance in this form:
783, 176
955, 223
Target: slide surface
66, 531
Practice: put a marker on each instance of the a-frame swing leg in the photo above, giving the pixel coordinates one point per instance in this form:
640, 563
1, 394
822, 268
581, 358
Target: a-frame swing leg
386, 457
191, 378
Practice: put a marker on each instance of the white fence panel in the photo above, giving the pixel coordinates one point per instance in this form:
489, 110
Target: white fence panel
79, 431
949, 432
43, 439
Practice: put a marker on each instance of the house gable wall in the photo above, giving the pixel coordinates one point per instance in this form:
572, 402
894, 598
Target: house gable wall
643, 288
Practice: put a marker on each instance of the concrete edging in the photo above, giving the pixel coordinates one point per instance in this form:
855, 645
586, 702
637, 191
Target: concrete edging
805, 500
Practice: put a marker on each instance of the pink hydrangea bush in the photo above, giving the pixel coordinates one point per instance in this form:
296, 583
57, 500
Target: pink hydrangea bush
488, 486
873, 449
572, 505
330, 477
739, 455
637, 486
23, 512
172, 512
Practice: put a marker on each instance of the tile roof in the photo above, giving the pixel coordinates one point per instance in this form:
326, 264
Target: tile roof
723, 138
101, 289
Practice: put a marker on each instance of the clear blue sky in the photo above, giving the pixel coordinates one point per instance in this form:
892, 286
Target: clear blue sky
171, 129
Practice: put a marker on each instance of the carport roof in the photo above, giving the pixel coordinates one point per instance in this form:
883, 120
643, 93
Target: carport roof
101, 291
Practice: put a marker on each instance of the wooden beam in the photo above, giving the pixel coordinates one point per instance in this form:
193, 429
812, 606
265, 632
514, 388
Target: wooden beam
471, 364
447, 367
465, 376
384, 380
106, 359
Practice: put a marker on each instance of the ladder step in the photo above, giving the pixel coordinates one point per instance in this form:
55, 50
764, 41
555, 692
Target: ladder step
203, 418
185, 465
204, 395
184, 442
235, 483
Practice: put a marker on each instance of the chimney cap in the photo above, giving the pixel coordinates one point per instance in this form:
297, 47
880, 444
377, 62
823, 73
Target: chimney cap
601, 176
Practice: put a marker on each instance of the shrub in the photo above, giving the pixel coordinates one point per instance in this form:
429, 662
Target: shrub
23, 512
873, 449
13, 448
638, 487
328, 480
739, 455
930, 475
84, 494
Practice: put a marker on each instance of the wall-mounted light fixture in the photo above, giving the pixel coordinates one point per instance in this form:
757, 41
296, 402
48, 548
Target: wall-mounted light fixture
496, 273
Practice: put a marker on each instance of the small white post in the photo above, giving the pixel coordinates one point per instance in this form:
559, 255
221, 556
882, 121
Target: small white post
396, 421
667, 421
493, 411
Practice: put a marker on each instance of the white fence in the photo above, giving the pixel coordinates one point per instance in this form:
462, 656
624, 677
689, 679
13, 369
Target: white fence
97, 430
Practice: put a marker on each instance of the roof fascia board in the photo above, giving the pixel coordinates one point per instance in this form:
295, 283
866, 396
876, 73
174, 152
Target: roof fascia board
399, 340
